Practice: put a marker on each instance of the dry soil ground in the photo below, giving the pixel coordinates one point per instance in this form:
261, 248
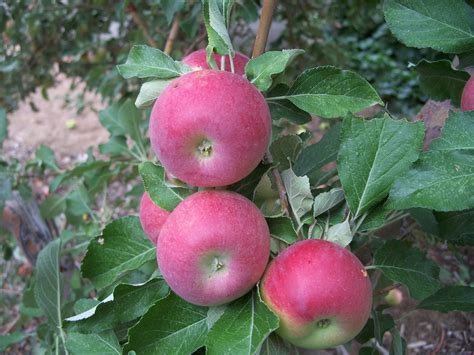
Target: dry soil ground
29, 129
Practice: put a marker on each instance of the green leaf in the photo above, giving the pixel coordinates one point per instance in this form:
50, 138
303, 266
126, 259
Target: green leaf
130, 117
299, 193
376, 326
368, 350
216, 14
45, 156
374, 219
447, 26
145, 62
242, 328
129, 302
10, 339
284, 108
274, 345
440, 81
457, 133
398, 345
331, 92
466, 60
149, 91
171, 7
52, 206
78, 170
443, 179
172, 326
214, 313
426, 219
247, 185
372, 156
78, 201
109, 118
450, 298
3, 125
327, 200
340, 234
284, 151
83, 305
100, 343
382, 323
248, 10
451, 172
457, 227
401, 262
116, 146
163, 195
121, 248
282, 229
48, 284
260, 70
267, 199
315, 156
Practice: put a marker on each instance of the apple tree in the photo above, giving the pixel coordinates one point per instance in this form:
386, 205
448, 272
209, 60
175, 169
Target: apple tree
256, 233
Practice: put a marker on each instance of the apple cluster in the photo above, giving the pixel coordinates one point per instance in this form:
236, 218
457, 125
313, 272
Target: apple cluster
211, 128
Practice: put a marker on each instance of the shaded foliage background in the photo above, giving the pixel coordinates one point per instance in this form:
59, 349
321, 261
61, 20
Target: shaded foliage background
85, 39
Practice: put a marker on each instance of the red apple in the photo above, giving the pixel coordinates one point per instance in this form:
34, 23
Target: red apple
210, 128
321, 293
197, 60
467, 100
214, 247
152, 217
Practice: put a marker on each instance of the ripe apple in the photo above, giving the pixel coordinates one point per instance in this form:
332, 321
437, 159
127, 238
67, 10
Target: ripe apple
321, 293
197, 60
210, 128
213, 247
152, 217
467, 99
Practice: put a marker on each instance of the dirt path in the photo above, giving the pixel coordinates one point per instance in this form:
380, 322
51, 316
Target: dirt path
29, 129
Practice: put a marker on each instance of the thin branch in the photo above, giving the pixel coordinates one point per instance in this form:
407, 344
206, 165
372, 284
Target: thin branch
440, 343
173, 34
9, 326
139, 22
264, 27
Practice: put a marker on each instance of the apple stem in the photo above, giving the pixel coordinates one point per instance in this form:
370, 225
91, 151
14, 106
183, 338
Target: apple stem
223, 63
231, 60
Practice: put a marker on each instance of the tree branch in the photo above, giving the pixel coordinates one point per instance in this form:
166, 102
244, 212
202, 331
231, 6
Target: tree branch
139, 22
263, 27
172, 35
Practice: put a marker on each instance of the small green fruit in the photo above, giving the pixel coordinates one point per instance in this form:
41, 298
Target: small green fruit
394, 297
